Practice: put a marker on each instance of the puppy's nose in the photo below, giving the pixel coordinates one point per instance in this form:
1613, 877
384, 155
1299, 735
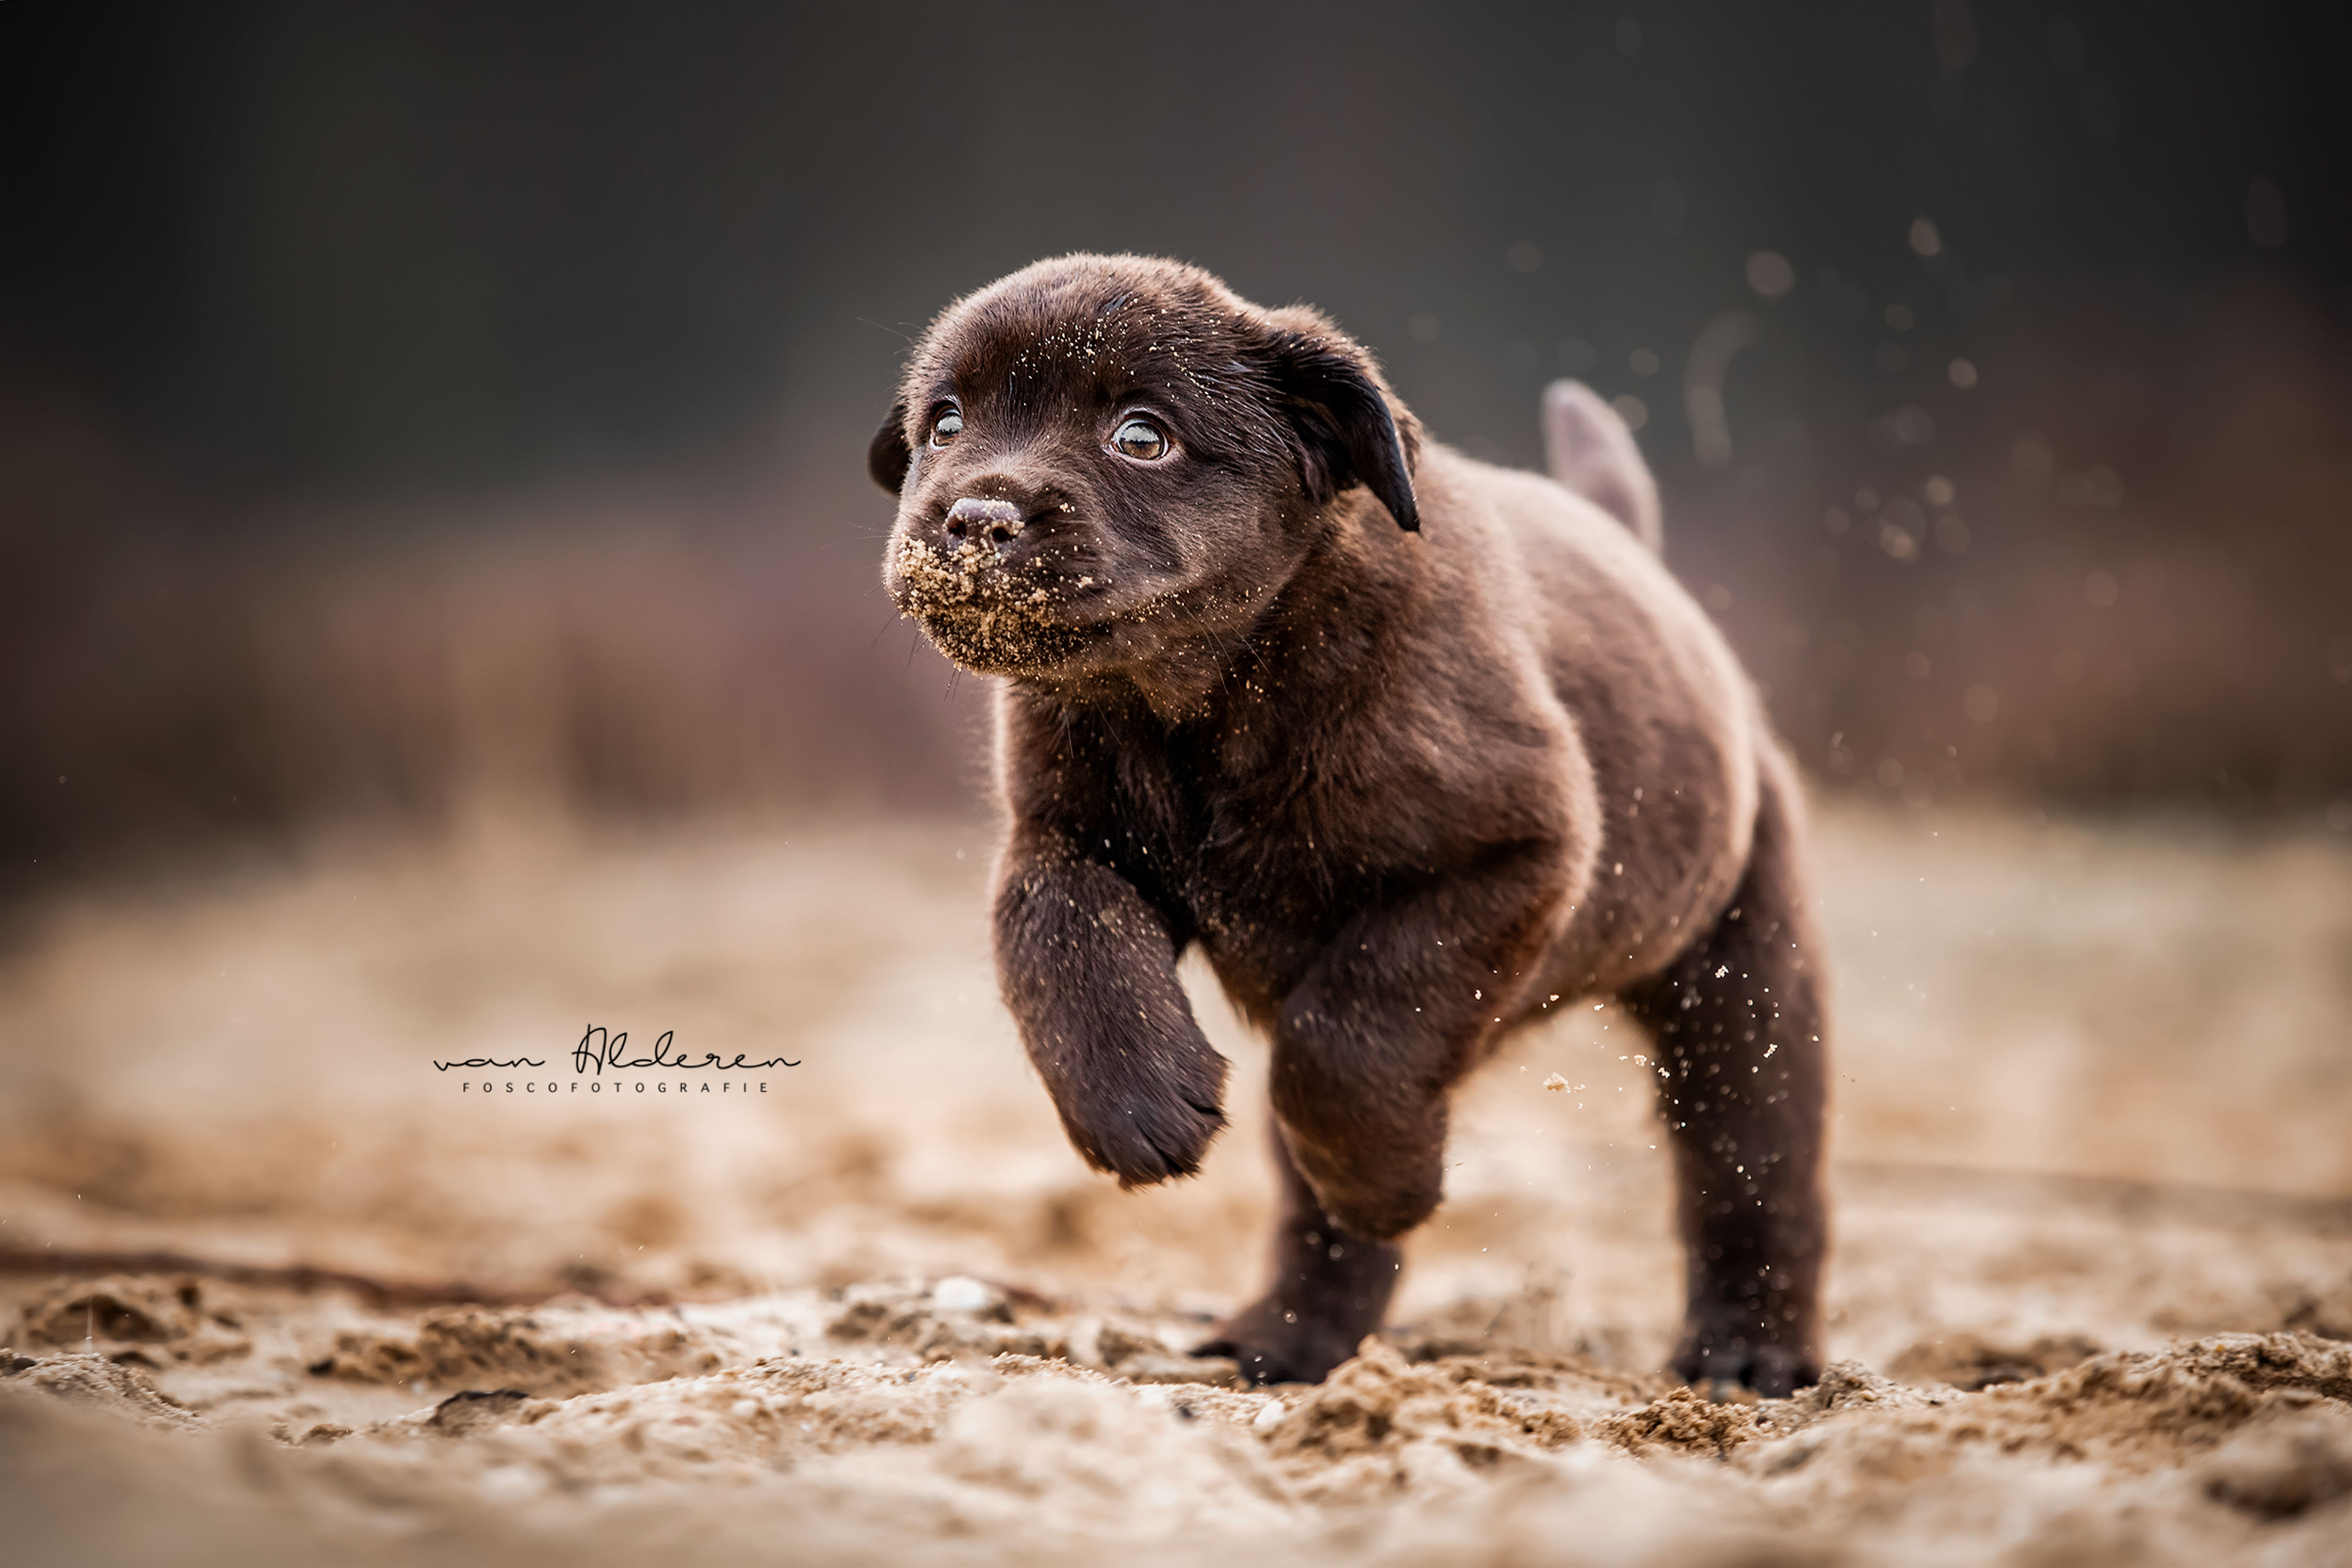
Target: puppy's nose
976, 518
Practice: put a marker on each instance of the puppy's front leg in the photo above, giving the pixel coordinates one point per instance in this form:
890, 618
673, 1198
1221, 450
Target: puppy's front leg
1089, 972
1390, 1016
1330, 1288
1368, 1044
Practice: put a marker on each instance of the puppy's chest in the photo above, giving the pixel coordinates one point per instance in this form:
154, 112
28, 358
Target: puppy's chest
1262, 863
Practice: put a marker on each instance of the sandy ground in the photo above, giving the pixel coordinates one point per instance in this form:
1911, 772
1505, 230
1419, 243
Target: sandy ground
2090, 1302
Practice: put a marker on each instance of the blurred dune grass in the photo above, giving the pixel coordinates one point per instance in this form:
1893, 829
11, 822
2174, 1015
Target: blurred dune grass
2123, 582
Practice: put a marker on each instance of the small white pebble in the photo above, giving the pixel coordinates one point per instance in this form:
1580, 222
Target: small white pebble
962, 1293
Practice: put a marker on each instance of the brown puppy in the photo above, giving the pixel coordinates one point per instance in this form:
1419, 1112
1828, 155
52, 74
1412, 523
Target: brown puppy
1415, 749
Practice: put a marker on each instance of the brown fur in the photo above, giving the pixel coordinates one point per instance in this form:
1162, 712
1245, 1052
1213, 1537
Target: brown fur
1408, 790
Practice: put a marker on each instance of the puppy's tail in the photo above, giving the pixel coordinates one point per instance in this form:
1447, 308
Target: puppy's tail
1589, 449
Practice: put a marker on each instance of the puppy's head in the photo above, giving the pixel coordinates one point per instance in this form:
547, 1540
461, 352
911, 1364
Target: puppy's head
1104, 461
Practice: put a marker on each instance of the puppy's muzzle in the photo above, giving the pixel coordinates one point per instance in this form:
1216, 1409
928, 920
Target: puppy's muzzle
983, 522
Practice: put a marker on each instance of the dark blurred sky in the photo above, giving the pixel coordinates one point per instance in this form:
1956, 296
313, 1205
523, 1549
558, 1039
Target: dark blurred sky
405, 401
346, 252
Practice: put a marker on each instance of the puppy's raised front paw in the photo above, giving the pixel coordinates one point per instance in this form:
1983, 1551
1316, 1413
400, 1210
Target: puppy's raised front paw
1142, 1139
1145, 1132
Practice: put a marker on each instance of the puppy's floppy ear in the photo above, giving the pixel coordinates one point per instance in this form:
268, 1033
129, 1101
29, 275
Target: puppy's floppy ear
1332, 397
887, 457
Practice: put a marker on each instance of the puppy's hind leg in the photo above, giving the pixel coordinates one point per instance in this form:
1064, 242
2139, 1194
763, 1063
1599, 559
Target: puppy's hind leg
1739, 1025
1330, 1288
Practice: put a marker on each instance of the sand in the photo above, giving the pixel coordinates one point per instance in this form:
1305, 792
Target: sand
2090, 1301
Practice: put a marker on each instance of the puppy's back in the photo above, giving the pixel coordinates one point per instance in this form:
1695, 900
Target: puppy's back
1658, 699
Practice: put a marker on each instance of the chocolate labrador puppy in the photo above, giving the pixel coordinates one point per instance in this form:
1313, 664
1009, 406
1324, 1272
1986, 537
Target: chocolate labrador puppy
1416, 749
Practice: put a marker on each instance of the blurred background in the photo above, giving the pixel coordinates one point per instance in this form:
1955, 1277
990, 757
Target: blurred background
413, 410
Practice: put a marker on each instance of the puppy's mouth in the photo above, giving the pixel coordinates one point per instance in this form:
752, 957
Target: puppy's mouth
989, 616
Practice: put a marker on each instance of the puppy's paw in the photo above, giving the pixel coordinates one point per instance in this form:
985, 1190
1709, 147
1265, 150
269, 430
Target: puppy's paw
1272, 1344
1143, 1138
1742, 1352
1141, 1126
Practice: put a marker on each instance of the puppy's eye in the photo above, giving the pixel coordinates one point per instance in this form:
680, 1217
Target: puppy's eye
1139, 438
946, 426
